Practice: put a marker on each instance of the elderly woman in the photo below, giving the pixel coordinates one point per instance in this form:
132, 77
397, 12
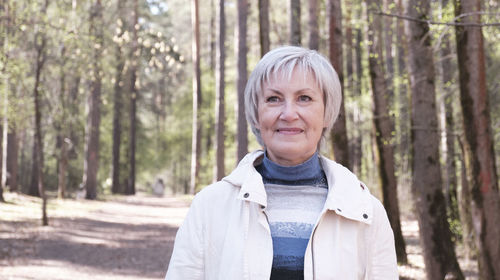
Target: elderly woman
287, 212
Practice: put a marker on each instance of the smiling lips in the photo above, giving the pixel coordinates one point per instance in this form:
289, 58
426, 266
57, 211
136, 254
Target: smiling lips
290, 130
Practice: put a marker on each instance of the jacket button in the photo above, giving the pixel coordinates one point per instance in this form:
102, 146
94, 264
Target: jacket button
365, 216
246, 195
262, 207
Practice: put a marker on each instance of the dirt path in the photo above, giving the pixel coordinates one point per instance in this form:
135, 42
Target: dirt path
122, 238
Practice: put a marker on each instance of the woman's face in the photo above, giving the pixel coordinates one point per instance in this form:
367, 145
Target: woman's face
291, 117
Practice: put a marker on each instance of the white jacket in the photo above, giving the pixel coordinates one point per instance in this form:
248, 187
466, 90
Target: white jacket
226, 235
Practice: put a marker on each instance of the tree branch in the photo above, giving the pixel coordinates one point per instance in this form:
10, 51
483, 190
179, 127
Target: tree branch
453, 23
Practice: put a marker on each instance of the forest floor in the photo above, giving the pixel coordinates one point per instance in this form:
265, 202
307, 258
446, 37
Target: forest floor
119, 237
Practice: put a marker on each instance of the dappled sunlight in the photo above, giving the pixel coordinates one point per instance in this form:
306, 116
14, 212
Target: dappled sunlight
120, 238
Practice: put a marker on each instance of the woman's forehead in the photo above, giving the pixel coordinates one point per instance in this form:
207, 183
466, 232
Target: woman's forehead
286, 75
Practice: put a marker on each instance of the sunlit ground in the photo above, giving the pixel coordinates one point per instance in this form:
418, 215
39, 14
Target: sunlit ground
119, 237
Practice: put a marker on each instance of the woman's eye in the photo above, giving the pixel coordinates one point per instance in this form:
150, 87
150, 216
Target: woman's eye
272, 99
305, 98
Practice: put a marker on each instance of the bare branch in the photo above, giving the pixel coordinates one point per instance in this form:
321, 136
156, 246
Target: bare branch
453, 23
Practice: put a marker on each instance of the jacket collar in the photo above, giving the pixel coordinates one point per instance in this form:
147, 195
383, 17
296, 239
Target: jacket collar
347, 196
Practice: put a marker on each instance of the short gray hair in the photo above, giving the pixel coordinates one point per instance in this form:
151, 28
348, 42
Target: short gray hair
284, 60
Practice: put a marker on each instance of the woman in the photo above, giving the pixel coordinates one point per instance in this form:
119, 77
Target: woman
287, 212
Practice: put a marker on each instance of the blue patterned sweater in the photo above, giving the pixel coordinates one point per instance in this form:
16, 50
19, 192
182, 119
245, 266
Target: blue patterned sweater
295, 198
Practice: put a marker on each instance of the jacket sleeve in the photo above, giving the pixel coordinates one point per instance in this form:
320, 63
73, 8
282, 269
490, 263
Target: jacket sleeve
187, 261
382, 256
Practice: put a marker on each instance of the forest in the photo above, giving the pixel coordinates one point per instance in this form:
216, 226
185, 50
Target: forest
115, 97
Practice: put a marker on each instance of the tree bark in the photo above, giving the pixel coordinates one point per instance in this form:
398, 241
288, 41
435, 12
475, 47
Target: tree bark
213, 36
91, 162
438, 250
464, 201
134, 65
384, 128
450, 182
219, 98
358, 139
60, 126
388, 23
403, 122
12, 163
41, 56
294, 22
313, 25
33, 188
117, 100
197, 98
241, 78
338, 134
264, 26
480, 160
63, 166
2, 163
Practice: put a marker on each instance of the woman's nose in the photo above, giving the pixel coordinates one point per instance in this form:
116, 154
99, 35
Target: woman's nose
289, 112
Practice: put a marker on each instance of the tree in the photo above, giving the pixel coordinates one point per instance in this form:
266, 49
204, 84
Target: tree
480, 154
241, 78
384, 128
197, 98
219, 99
294, 22
3, 146
264, 26
313, 25
41, 56
12, 158
91, 161
118, 96
133, 91
450, 178
338, 134
438, 250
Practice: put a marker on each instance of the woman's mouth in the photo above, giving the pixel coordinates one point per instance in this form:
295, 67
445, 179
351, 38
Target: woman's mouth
290, 130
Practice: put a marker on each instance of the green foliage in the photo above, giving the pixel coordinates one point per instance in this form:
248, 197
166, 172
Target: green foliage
164, 101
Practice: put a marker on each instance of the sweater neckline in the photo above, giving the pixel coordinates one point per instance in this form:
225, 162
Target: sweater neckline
310, 169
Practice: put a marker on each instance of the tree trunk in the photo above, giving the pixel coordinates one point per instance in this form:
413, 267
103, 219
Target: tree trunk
313, 25
33, 188
213, 32
384, 129
5, 126
12, 154
438, 249
403, 122
358, 140
2, 163
264, 26
63, 166
241, 78
196, 131
339, 140
219, 99
464, 201
480, 162
450, 182
91, 162
388, 23
40, 47
117, 101
294, 22
134, 59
